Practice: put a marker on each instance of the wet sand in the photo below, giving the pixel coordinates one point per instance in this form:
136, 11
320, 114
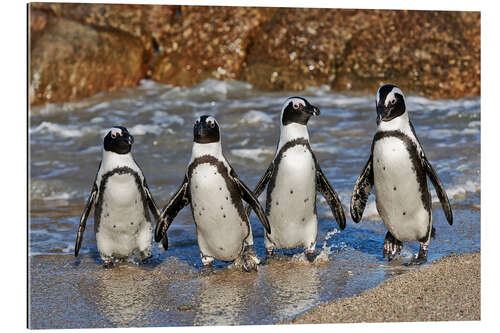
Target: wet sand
448, 289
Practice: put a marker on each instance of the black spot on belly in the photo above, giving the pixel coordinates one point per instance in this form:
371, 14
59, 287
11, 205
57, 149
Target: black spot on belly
383, 168
200, 213
404, 213
220, 188
394, 188
136, 201
221, 248
291, 191
224, 215
202, 208
131, 223
277, 203
196, 186
303, 219
106, 215
306, 199
227, 198
114, 226
221, 208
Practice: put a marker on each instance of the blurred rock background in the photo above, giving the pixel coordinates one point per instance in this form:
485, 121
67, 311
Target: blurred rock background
77, 49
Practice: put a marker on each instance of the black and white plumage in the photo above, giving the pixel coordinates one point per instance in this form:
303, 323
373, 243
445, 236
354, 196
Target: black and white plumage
398, 169
122, 201
215, 193
292, 179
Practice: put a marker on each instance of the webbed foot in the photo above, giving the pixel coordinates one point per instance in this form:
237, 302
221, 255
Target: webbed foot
392, 247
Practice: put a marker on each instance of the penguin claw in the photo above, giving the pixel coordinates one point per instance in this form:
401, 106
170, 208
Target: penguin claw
108, 263
311, 256
249, 265
392, 247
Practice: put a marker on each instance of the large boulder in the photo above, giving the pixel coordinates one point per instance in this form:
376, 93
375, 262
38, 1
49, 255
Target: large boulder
207, 42
436, 54
69, 60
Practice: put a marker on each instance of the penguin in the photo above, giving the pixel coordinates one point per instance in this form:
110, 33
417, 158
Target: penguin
215, 194
398, 169
292, 179
122, 201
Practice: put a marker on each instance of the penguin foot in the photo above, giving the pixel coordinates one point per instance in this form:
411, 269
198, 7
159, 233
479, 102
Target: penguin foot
207, 270
249, 259
249, 265
144, 256
108, 263
311, 256
392, 247
421, 258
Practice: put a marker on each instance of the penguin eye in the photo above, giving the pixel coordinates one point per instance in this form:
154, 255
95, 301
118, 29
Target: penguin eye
392, 102
113, 135
212, 124
296, 105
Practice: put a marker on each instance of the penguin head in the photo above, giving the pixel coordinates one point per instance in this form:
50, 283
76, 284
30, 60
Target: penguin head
206, 130
297, 110
118, 140
390, 103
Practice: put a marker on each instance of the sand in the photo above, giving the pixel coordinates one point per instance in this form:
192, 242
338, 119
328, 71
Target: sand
448, 289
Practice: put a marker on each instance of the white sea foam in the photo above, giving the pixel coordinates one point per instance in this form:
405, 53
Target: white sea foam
257, 154
210, 88
142, 129
254, 116
164, 118
65, 131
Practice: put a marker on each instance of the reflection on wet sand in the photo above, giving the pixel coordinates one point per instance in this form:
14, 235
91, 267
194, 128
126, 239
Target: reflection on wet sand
124, 295
224, 297
293, 287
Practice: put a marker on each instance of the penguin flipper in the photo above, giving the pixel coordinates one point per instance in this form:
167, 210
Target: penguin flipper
324, 187
261, 185
83, 219
253, 202
438, 186
361, 191
178, 201
151, 202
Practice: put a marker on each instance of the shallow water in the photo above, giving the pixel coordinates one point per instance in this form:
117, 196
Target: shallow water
65, 145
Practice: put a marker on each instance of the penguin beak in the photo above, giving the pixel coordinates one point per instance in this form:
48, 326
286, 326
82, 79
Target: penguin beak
382, 112
128, 138
312, 110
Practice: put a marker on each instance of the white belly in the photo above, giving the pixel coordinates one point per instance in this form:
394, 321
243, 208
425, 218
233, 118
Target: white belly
291, 205
397, 191
123, 227
220, 228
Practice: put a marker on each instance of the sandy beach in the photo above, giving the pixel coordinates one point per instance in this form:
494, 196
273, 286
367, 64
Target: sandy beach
448, 289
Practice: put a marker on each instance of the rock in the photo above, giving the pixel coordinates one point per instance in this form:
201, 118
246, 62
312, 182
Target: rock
299, 47
146, 22
78, 49
436, 54
431, 53
69, 60
206, 42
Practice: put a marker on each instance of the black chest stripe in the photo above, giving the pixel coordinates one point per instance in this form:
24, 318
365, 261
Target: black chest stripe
231, 186
416, 161
277, 161
102, 188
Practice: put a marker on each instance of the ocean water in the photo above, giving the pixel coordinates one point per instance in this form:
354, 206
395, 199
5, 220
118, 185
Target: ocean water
65, 150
